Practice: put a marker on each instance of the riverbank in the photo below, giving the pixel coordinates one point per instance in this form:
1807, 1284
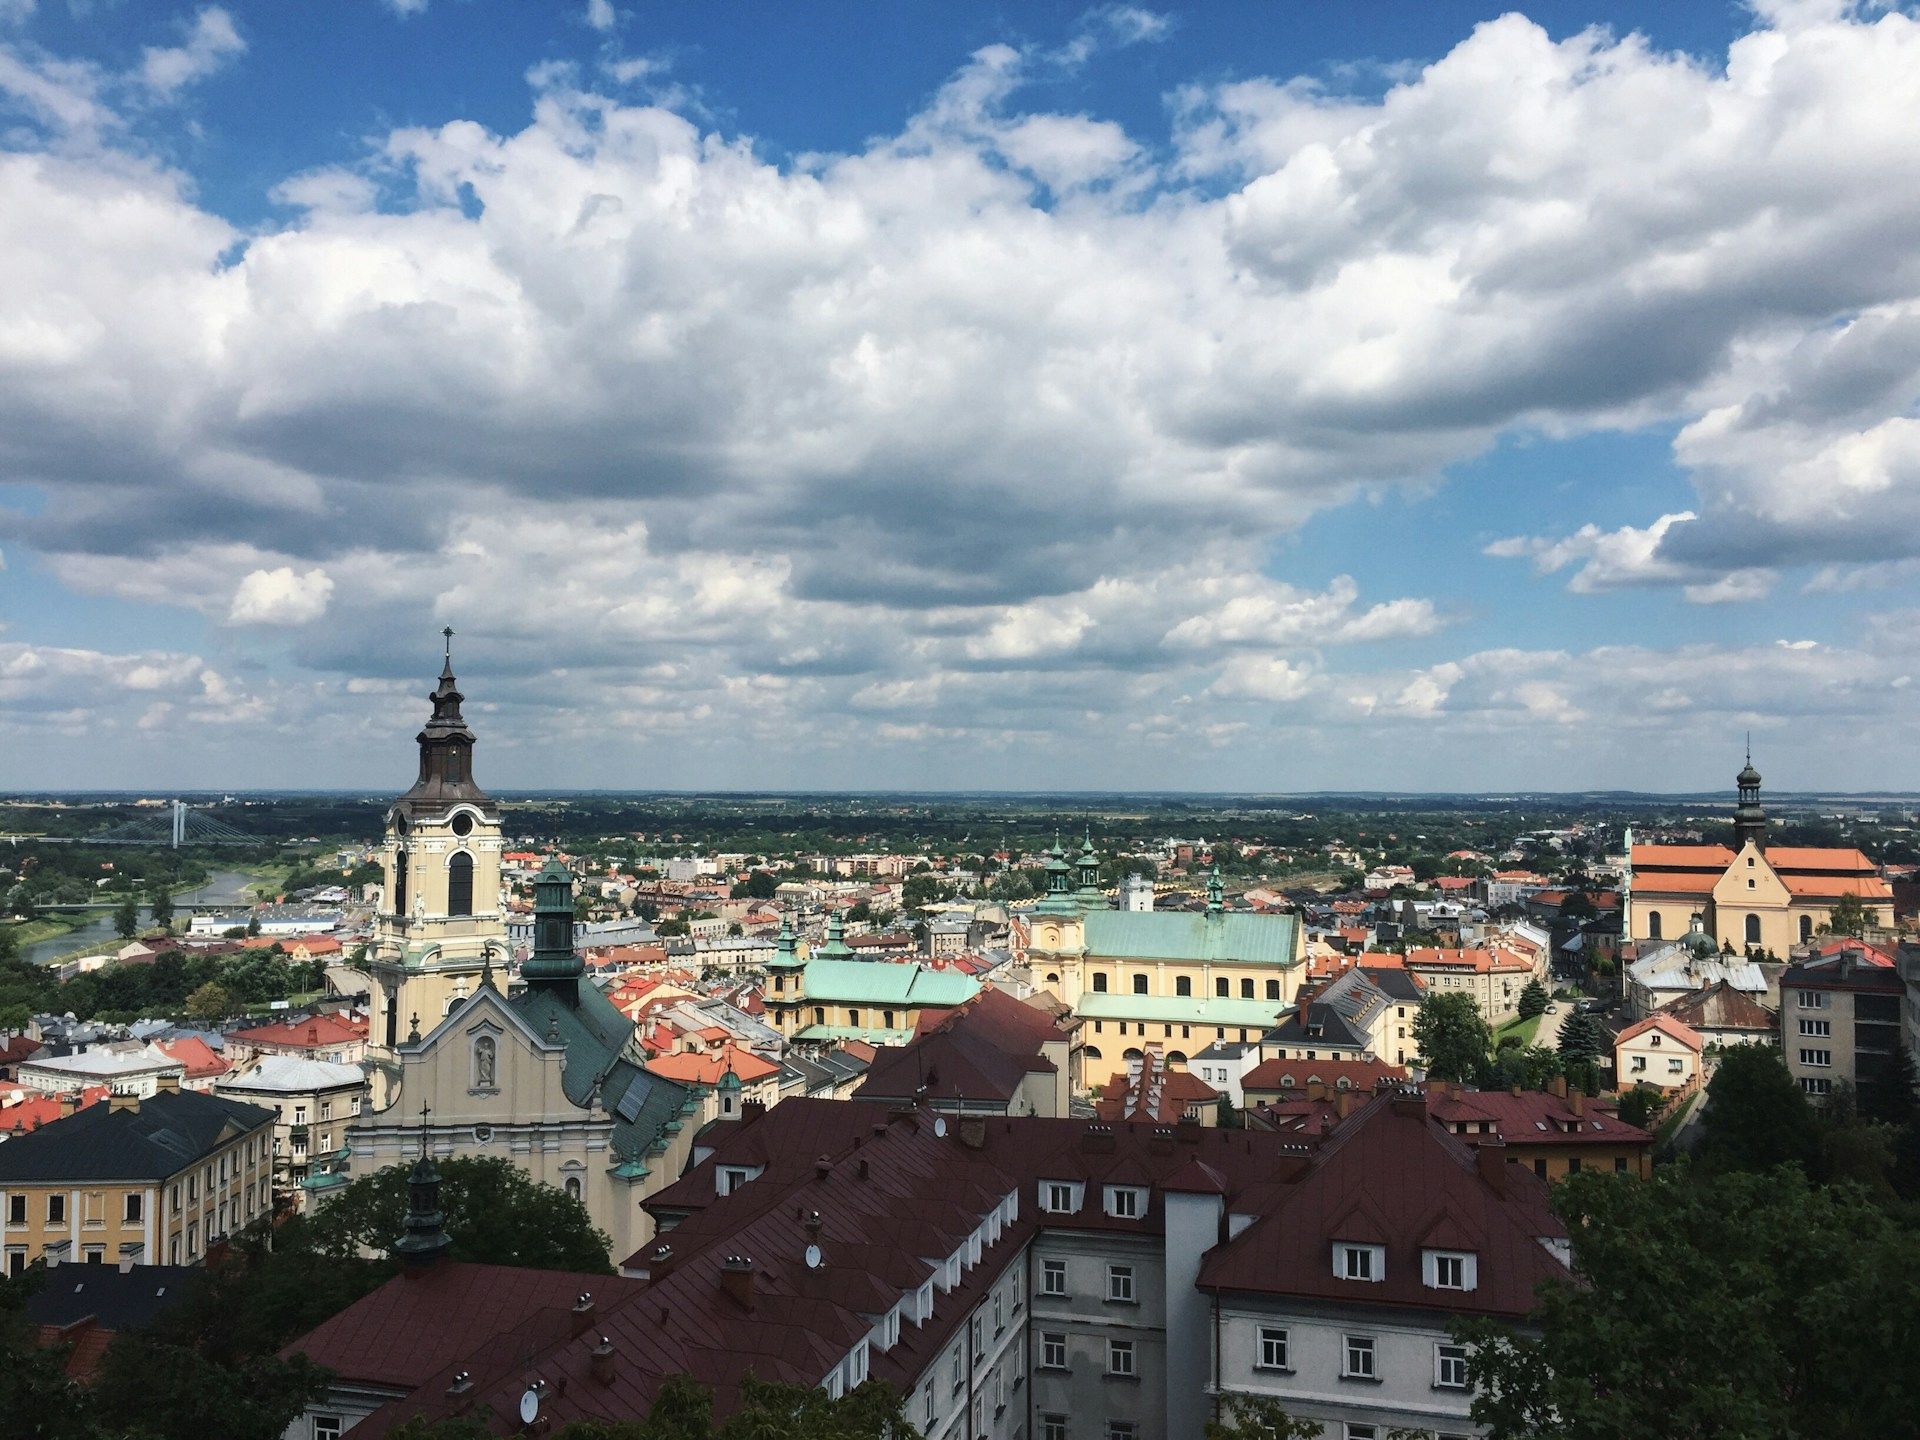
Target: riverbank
90, 932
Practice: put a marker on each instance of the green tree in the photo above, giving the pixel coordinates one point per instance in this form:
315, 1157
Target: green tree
1534, 1000
1757, 1118
1640, 1105
253, 926
495, 1213
1581, 1039
126, 919
1891, 1094
150, 1389
1530, 1067
1255, 1417
1730, 1305
162, 907
1849, 916
210, 1004
1453, 1037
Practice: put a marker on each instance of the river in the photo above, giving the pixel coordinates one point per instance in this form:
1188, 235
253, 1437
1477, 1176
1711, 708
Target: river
223, 887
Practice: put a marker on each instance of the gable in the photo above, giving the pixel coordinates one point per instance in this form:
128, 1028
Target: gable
1750, 880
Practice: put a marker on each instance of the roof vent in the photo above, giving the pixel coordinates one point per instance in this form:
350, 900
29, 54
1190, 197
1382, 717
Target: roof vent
462, 1383
601, 1363
736, 1278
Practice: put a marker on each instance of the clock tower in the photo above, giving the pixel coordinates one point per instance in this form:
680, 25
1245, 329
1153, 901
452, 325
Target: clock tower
440, 922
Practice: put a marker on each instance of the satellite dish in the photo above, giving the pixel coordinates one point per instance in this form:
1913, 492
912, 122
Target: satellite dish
940, 1126
530, 1405
813, 1257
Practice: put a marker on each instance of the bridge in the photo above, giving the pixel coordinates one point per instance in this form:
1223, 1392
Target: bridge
181, 825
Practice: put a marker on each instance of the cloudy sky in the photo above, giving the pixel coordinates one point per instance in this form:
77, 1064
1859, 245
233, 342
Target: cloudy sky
1249, 396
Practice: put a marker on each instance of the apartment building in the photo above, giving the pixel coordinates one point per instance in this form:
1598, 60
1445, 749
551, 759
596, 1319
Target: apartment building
142, 1180
1840, 1018
1015, 1278
313, 1101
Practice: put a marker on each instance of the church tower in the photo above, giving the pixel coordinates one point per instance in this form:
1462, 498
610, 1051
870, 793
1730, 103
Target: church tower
440, 922
1749, 816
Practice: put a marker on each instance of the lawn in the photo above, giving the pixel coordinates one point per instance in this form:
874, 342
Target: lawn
1527, 1029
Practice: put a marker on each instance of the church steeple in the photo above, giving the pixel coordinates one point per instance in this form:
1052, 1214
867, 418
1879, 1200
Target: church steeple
1087, 863
554, 963
1749, 816
1216, 891
1059, 880
446, 744
425, 1238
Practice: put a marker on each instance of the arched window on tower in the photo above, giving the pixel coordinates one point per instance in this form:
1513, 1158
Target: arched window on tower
460, 884
1753, 929
400, 882
1653, 924
1806, 927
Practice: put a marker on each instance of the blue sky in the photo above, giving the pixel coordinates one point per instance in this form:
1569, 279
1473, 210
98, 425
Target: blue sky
1241, 396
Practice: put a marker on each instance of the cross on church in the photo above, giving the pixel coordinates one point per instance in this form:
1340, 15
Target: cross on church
448, 632
425, 1111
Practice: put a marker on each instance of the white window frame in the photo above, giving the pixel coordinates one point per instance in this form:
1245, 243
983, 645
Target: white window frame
1118, 1350
327, 1427
1120, 1285
1349, 1256
1432, 1261
1050, 1270
1350, 1345
1816, 1059
1816, 1029
1053, 1427
1054, 1191
1052, 1342
1446, 1355
1269, 1342
1126, 1202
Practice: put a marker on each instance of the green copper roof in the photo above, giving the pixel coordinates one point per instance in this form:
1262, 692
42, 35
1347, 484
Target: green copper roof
1181, 935
836, 947
594, 1033
882, 982
1181, 1010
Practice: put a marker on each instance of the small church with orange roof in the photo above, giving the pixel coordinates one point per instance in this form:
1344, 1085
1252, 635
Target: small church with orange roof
1752, 896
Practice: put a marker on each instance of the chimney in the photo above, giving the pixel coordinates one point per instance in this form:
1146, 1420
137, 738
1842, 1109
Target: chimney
1515, 1089
69, 1102
1187, 1132
1490, 1155
1343, 1104
167, 1085
1316, 1090
1300, 1006
124, 1100
660, 1261
583, 1312
313, 1034
1577, 1101
973, 1131
822, 1168
1557, 1086
1291, 1164
1410, 1101
736, 1278
602, 1362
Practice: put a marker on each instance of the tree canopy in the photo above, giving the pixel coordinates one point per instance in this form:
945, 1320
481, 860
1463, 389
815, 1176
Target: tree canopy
1711, 1305
1453, 1037
495, 1213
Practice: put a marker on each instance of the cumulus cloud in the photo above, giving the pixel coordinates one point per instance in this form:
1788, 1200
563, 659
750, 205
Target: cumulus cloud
997, 419
280, 597
212, 41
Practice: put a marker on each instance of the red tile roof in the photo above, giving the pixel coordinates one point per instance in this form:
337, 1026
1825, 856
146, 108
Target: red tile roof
1819, 857
706, 1068
30, 1109
1666, 1025
1390, 1176
1681, 857
316, 1030
1531, 1118
1152, 1092
200, 1058
1282, 1075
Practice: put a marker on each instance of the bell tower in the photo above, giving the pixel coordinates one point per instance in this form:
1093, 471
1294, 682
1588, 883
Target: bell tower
1749, 816
440, 921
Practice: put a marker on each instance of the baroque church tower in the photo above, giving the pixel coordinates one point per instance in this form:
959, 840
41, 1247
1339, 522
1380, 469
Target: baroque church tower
440, 923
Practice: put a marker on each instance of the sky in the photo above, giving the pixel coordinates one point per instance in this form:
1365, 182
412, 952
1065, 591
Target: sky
1249, 396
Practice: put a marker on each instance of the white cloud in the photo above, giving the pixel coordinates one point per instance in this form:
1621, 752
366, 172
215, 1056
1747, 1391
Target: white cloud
600, 15
1005, 412
280, 597
212, 41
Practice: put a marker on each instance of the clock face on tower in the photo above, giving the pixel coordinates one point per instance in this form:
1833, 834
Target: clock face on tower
1049, 937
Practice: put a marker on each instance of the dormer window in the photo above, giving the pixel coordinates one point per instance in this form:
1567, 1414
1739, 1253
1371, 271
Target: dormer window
1450, 1269
1367, 1263
1059, 1197
1126, 1202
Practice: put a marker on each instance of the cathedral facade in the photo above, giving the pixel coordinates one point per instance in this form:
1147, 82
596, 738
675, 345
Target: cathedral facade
546, 1073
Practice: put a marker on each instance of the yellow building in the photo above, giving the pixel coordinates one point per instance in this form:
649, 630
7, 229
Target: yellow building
440, 922
1181, 979
147, 1181
1754, 897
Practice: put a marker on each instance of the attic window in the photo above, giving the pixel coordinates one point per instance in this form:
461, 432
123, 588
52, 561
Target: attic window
1450, 1269
1059, 1197
1360, 1262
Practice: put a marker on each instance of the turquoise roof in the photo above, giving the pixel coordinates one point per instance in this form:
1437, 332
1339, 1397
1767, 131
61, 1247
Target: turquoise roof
1184, 935
881, 982
1181, 1010
595, 1035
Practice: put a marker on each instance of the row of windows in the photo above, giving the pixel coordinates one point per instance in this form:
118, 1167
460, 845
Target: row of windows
1122, 1202
1360, 1358
1439, 1269
1816, 1058
1122, 1356
887, 1018
1183, 986
1120, 1282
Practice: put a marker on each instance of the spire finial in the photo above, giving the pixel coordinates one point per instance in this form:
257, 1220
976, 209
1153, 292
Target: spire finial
1749, 747
447, 634
425, 1111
